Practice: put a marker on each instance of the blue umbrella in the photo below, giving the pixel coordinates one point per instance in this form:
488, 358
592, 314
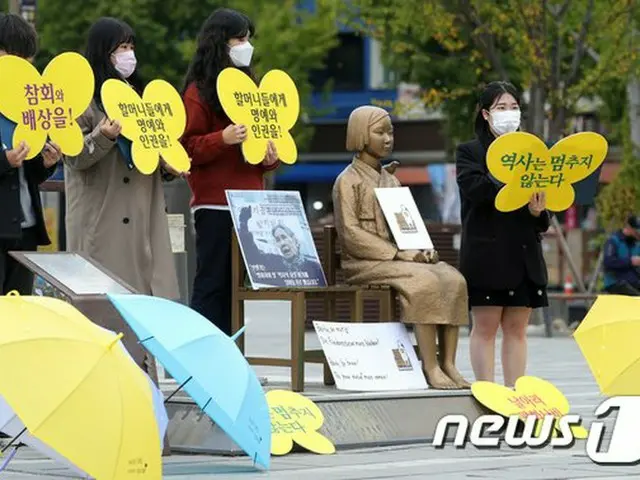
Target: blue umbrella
207, 364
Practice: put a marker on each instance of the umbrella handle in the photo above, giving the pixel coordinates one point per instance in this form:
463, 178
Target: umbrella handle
13, 440
178, 389
9, 458
238, 333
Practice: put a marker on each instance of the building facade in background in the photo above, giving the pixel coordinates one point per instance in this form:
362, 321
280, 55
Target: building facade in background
358, 77
356, 72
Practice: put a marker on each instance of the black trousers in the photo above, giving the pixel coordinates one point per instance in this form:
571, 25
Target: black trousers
212, 283
14, 276
624, 288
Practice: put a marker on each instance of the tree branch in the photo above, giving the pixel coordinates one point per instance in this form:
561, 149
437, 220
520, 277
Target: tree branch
537, 34
556, 48
527, 26
581, 49
484, 41
563, 10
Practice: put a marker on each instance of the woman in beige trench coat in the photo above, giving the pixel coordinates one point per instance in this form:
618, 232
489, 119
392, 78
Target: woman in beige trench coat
115, 214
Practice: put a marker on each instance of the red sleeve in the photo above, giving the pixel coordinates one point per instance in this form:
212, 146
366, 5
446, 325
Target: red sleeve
202, 145
270, 167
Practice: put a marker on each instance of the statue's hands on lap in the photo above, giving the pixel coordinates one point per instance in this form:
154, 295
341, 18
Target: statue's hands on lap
428, 256
408, 255
432, 256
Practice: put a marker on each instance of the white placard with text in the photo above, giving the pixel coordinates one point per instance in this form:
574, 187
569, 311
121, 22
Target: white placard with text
371, 357
403, 218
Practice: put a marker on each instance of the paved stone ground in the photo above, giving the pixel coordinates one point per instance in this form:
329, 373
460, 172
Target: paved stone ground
556, 359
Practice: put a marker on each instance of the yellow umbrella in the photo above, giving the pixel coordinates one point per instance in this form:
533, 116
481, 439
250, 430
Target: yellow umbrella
75, 388
608, 338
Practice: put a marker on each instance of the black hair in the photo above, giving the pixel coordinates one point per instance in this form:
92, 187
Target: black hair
490, 94
17, 36
105, 36
212, 52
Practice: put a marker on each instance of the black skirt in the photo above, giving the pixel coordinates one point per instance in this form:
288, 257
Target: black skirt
527, 294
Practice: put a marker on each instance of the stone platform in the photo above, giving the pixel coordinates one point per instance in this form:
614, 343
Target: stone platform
352, 420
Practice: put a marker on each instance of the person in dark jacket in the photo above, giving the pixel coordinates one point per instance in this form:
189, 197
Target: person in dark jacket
500, 255
22, 224
622, 260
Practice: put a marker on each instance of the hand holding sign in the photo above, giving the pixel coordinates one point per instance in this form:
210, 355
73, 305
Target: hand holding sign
268, 112
525, 164
537, 203
51, 154
154, 123
46, 105
110, 128
16, 156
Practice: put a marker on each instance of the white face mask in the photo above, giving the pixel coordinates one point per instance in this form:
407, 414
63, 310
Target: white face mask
125, 63
505, 122
241, 54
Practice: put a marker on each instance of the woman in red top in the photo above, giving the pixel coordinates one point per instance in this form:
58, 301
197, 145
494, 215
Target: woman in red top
217, 163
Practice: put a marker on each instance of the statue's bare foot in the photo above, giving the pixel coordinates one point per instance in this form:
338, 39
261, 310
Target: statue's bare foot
453, 373
437, 379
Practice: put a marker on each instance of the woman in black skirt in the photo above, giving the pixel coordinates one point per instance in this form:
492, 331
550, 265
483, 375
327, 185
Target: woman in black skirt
500, 254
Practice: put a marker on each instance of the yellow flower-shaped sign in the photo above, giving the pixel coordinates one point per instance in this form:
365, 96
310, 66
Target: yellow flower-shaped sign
532, 396
153, 123
295, 418
268, 111
525, 165
46, 106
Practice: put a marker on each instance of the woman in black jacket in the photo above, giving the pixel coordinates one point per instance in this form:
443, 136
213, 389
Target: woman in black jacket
500, 256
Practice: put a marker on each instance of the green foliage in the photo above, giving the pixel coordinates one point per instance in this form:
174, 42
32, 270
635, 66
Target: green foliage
621, 197
294, 41
453, 47
613, 109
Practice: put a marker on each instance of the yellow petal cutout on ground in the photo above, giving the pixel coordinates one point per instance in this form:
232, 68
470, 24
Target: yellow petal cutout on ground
295, 418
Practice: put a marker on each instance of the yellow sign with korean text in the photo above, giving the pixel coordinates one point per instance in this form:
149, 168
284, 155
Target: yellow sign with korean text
153, 123
532, 396
269, 111
525, 165
295, 418
46, 106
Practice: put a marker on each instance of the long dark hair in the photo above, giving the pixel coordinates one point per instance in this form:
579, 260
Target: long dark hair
491, 93
105, 36
212, 52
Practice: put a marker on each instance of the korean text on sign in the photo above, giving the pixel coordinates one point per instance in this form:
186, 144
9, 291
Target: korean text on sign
45, 109
559, 161
264, 113
291, 420
535, 168
533, 405
150, 120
